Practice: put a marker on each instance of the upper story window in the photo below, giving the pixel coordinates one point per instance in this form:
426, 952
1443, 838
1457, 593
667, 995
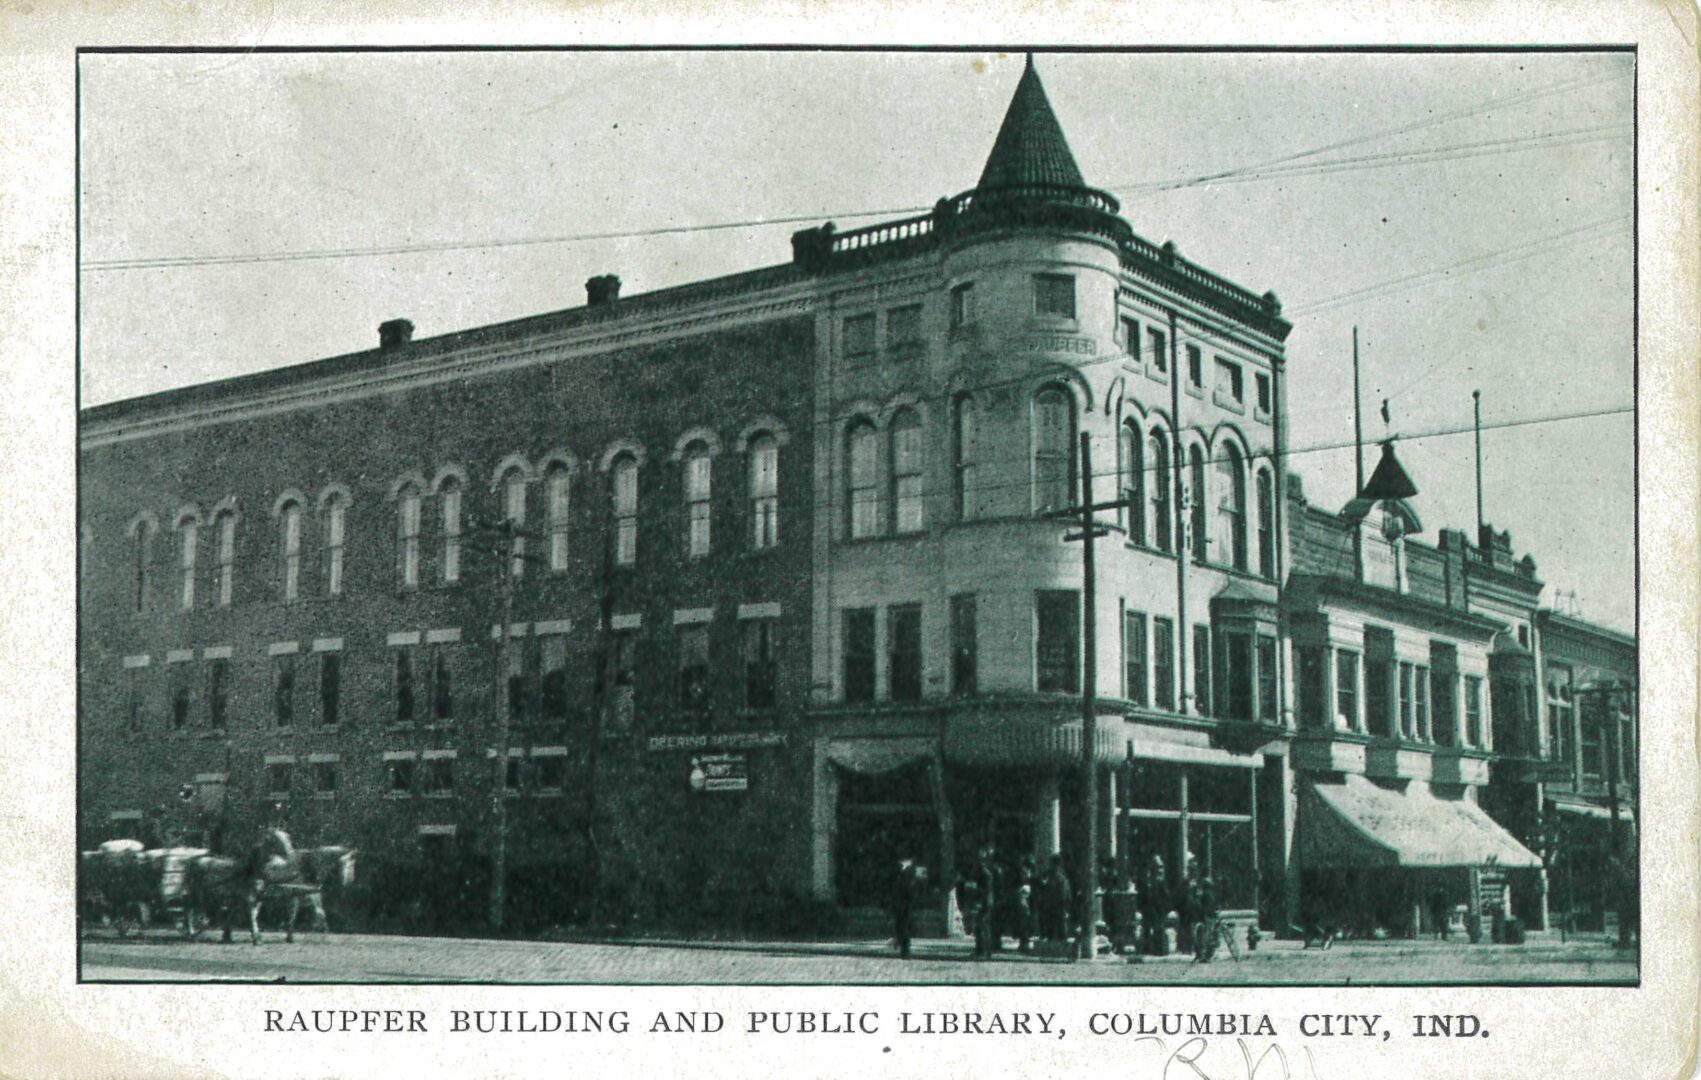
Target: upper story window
907, 456
225, 527
1131, 473
1266, 525
289, 546
1231, 504
141, 555
336, 528
1054, 296
557, 493
862, 447
407, 535
1197, 527
283, 690
1473, 711
1129, 331
1054, 438
760, 669
962, 305
903, 643
965, 456
1163, 532
1195, 367
625, 498
1158, 342
514, 513
449, 506
858, 652
965, 645
694, 669
1263, 381
1057, 641
698, 478
859, 336
218, 695
903, 329
1229, 382
764, 491
188, 533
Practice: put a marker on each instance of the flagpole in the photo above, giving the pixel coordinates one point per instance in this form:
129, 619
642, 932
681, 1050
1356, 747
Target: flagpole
1476, 408
1358, 421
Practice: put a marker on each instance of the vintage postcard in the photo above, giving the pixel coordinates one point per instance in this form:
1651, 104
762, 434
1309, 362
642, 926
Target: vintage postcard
1133, 551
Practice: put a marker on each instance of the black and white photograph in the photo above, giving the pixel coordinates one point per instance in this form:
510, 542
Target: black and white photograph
858, 517
852, 542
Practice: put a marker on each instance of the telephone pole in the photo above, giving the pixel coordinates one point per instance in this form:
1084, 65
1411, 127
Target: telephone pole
499, 725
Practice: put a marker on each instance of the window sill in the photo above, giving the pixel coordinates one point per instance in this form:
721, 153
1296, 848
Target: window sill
550, 793
1228, 402
1194, 390
1157, 374
398, 796
1261, 415
905, 352
324, 796
968, 331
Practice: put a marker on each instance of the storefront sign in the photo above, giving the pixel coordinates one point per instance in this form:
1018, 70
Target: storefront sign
1063, 343
723, 740
719, 772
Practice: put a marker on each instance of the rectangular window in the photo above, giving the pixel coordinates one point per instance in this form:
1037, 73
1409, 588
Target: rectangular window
291, 551
1313, 688
551, 774
624, 678
697, 478
398, 776
136, 706
764, 492
1202, 700
1420, 703
402, 686
451, 507
442, 686
1473, 711
180, 698
278, 776
694, 669
859, 336
1237, 674
514, 676
965, 645
1377, 720
903, 640
761, 672
1058, 640
859, 654
1134, 674
1054, 295
903, 329
1443, 695
962, 305
324, 779
625, 510
1163, 662
330, 688
1157, 344
552, 661
218, 695
283, 691
1406, 730
1269, 709
907, 477
1229, 380
1264, 393
438, 780
1130, 337
1195, 367
335, 525
407, 537
1346, 689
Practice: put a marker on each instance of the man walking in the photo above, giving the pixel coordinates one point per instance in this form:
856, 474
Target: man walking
904, 892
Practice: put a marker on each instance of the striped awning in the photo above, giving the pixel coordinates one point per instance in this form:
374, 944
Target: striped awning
1359, 824
1002, 739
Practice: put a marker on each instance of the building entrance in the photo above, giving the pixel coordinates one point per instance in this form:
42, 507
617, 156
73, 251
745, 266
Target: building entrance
882, 819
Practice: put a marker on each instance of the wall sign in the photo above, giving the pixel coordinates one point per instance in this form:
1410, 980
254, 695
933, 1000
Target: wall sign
719, 772
723, 740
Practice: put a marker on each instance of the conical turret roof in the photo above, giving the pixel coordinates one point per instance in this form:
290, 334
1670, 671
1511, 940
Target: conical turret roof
1030, 148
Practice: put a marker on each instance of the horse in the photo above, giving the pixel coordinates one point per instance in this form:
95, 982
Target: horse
274, 868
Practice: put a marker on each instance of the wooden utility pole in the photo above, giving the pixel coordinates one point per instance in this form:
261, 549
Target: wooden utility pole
499, 725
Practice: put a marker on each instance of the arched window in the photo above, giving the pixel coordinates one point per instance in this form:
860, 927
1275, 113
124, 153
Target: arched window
225, 524
907, 512
699, 479
1266, 525
449, 510
862, 447
557, 491
514, 513
1054, 438
764, 491
1163, 531
336, 528
142, 541
188, 535
965, 458
625, 494
1197, 523
289, 549
407, 536
1231, 504
1131, 467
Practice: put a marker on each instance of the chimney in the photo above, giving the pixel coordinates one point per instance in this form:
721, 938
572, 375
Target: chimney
394, 332
602, 290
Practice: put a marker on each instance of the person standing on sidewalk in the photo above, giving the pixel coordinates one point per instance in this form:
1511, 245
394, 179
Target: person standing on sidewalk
1438, 912
1059, 899
904, 892
986, 888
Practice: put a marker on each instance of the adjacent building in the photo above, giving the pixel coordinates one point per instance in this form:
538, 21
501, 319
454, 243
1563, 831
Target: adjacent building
727, 596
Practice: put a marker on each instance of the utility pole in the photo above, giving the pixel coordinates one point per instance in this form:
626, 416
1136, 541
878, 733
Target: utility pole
1476, 410
1090, 530
499, 725
1358, 422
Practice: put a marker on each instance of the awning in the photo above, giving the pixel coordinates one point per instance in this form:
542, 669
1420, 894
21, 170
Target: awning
1006, 739
875, 757
1361, 824
1578, 804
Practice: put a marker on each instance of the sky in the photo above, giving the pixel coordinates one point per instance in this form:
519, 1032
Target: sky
1470, 213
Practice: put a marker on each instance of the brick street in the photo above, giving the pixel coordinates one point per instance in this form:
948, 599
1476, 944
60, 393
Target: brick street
317, 957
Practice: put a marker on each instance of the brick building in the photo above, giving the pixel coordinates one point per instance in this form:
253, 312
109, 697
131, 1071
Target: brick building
784, 602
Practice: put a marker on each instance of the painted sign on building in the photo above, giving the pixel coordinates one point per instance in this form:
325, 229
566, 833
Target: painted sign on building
719, 772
